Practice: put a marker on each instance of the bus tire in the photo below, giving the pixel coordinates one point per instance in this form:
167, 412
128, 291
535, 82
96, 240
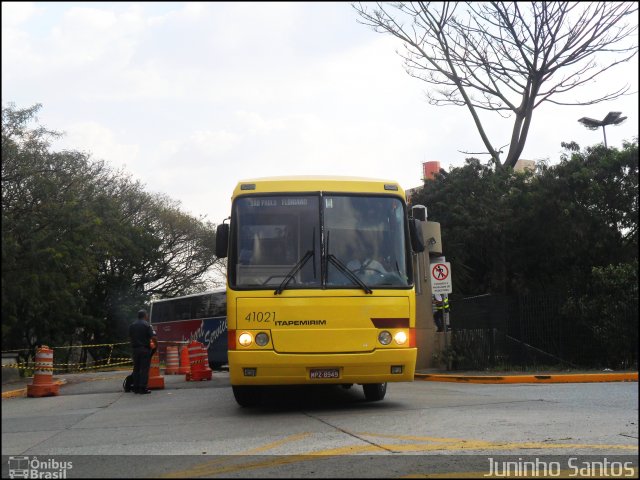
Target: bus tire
246, 396
374, 391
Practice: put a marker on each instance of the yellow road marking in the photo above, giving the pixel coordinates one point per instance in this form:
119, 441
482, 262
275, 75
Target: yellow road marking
448, 475
462, 444
277, 443
22, 392
444, 444
205, 468
409, 437
543, 378
481, 445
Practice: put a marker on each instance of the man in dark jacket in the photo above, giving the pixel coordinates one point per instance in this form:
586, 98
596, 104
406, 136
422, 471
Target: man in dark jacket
141, 335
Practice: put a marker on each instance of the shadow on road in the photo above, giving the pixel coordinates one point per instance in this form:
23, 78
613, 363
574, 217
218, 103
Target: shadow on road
310, 398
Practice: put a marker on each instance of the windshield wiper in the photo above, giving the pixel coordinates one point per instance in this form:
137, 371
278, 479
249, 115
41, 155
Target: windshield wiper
348, 273
298, 266
343, 268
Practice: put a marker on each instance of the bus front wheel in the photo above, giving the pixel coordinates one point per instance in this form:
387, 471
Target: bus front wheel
374, 391
246, 396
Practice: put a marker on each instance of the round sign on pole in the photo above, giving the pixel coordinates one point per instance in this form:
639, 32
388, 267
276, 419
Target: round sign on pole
440, 271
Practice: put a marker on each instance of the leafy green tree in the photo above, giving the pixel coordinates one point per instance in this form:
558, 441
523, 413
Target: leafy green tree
46, 231
157, 251
84, 247
475, 206
606, 315
579, 214
509, 232
568, 231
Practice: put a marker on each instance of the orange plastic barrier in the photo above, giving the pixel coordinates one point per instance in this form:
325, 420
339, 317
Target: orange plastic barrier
199, 360
185, 366
156, 381
173, 361
43, 385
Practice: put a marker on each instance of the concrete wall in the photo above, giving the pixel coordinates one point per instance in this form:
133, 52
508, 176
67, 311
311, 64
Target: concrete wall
428, 341
9, 374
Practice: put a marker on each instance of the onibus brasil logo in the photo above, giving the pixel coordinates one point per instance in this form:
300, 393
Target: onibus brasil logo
26, 467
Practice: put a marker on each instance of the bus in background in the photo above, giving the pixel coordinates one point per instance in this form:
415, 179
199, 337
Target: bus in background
201, 317
319, 284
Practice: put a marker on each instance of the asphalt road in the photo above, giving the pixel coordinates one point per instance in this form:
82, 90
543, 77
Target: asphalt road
195, 429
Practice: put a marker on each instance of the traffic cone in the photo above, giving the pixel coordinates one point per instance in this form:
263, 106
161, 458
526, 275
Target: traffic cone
185, 366
199, 361
205, 363
156, 381
173, 361
43, 385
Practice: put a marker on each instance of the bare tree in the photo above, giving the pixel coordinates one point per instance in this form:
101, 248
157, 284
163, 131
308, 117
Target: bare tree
508, 57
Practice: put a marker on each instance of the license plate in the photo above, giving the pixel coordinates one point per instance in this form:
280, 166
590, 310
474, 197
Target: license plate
324, 373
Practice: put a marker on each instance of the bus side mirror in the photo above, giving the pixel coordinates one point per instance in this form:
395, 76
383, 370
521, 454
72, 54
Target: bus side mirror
419, 212
417, 239
222, 240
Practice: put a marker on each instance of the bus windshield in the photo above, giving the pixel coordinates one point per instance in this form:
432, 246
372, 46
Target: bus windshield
313, 241
367, 235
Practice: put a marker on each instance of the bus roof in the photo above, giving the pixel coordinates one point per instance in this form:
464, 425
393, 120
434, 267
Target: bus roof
215, 290
317, 183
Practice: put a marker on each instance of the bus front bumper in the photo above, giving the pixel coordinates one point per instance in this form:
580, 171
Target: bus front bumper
252, 367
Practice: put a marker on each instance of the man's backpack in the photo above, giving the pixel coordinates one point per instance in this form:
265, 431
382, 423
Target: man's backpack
127, 385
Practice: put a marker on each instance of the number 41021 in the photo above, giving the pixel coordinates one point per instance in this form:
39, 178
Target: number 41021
260, 316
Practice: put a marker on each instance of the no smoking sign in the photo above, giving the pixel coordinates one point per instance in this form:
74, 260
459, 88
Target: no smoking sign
441, 278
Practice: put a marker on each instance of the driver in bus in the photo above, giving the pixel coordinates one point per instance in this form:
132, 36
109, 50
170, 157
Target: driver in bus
363, 262
363, 257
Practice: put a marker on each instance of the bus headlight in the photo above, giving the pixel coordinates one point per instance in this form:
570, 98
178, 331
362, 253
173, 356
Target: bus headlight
400, 338
262, 339
245, 339
384, 337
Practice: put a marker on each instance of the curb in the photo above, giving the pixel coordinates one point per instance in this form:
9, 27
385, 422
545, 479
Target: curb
22, 392
560, 378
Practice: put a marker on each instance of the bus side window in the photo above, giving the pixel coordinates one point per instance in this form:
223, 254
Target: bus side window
183, 309
219, 305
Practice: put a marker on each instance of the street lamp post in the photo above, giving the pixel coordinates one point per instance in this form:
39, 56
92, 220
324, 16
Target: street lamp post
612, 118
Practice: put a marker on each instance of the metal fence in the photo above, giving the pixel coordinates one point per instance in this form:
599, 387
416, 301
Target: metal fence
534, 331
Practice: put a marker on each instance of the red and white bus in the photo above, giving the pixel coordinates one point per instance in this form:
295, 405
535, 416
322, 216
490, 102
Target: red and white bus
201, 317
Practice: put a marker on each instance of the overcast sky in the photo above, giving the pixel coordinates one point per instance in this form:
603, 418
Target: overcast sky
192, 97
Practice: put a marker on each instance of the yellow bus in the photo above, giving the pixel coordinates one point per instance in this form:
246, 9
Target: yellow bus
319, 284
